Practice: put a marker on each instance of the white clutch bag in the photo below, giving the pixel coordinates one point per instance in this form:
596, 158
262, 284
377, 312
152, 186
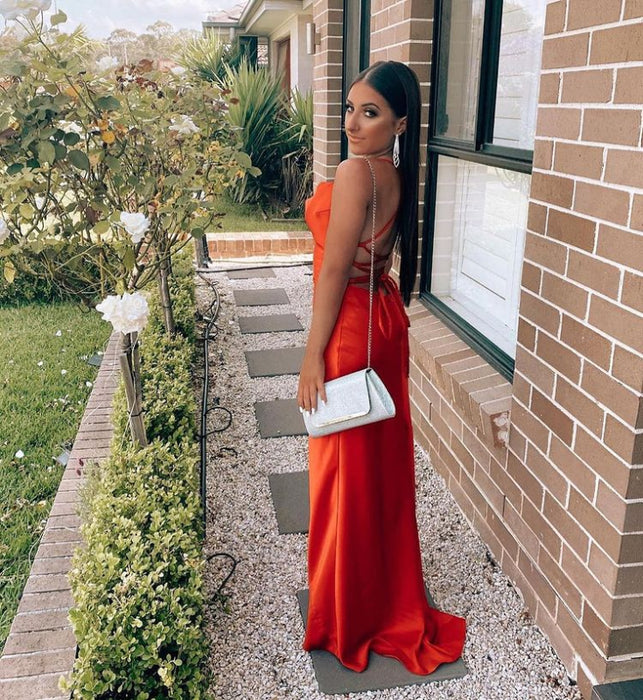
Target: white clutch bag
355, 399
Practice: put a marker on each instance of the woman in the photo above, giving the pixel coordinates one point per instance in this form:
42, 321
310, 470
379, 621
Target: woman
366, 591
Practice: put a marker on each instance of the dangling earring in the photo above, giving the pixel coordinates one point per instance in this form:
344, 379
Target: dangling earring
396, 151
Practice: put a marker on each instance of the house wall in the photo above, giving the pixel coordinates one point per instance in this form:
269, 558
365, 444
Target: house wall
301, 63
547, 468
327, 88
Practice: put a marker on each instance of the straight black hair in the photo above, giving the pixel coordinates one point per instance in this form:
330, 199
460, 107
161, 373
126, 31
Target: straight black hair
399, 86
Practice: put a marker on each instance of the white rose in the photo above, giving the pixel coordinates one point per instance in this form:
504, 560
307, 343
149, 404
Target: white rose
11, 9
184, 126
107, 62
135, 224
4, 231
127, 314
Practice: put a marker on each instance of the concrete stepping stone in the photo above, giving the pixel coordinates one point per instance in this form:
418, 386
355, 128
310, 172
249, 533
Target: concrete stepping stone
260, 297
274, 323
623, 690
251, 274
274, 363
290, 500
381, 673
279, 418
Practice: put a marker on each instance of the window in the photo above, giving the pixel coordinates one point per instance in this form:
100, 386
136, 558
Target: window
485, 77
356, 49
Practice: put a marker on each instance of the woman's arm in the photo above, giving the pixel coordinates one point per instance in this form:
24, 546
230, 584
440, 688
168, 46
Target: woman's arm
351, 195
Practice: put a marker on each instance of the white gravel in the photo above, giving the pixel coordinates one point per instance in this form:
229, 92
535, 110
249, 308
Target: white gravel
256, 634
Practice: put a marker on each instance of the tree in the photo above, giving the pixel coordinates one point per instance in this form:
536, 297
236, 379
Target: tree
121, 42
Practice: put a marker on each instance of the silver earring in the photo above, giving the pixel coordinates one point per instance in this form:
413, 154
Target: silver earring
396, 151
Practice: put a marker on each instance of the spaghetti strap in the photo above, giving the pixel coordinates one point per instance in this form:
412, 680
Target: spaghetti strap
387, 225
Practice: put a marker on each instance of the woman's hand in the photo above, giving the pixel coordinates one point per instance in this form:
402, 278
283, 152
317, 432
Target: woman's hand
311, 382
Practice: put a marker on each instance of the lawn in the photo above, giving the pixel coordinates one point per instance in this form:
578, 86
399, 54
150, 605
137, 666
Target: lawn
45, 382
249, 217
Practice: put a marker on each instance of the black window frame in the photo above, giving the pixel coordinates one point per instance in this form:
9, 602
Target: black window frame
364, 37
481, 151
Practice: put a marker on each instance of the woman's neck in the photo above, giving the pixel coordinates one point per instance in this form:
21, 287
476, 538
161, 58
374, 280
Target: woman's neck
380, 154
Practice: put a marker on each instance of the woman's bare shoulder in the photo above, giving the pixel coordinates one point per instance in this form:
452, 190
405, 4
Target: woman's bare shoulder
353, 173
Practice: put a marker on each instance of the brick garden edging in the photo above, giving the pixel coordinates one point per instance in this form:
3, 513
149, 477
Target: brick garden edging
240, 244
41, 645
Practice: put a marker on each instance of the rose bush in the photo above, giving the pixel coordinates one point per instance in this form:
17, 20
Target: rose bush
86, 158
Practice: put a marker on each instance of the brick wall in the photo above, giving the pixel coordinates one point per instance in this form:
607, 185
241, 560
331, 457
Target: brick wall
327, 88
576, 413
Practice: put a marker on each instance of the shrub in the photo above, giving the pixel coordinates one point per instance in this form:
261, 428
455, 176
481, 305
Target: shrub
256, 105
28, 289
168, 399
138, 584
207, 57
297, 148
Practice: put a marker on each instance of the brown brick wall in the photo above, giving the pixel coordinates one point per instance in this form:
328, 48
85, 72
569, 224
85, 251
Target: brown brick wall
327, 88
578, 366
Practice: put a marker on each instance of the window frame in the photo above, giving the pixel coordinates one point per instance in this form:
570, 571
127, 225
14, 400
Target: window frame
481, 151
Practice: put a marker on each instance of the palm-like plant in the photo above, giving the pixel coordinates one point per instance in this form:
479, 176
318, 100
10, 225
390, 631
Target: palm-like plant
208, 57
256, 108
297, 144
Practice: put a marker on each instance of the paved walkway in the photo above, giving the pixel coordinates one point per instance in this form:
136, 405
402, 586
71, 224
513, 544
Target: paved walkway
256, 636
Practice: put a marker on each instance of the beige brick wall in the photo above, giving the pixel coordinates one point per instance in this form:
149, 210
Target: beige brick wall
576, 412
327, 88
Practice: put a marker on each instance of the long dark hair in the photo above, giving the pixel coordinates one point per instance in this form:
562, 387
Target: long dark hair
399, 86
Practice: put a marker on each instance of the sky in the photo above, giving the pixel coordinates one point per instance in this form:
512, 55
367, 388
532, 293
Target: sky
101, 17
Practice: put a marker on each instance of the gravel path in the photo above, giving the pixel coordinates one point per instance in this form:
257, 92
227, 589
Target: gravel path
256, 635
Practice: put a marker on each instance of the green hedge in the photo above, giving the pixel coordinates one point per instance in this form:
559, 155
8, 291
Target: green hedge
27, 289
138, 585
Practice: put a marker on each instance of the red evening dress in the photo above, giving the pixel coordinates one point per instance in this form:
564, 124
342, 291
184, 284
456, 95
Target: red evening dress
366, 591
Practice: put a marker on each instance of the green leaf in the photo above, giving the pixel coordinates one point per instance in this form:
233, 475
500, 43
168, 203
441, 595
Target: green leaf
108, 103
113, 163
9, 271
26, 211
14, 168
59, 18
46, 152
129, 259
102, 227
71, 139
244, 159
79, 160
61, 151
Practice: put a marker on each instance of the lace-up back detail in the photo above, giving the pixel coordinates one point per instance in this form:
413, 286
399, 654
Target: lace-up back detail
317, 217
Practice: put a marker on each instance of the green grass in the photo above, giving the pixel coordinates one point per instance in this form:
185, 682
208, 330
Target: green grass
248, 217
40, 409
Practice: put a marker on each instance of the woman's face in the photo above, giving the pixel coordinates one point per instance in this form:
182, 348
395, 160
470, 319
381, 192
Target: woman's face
370, 123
